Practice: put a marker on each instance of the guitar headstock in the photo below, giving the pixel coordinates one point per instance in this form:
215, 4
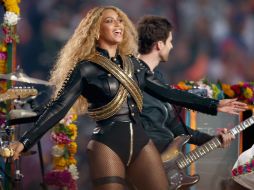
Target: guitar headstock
18, 92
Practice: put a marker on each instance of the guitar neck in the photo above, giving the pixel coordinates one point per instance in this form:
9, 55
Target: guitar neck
214, 143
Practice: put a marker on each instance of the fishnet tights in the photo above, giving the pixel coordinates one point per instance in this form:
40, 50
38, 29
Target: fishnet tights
103, 163
145, 172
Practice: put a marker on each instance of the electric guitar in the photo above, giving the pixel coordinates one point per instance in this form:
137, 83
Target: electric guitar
18, 92
175, 161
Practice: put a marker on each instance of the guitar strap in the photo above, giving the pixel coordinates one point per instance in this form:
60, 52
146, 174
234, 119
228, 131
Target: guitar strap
178, 112
127, 85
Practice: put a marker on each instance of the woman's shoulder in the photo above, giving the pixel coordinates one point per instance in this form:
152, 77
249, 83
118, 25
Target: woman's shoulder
88, 66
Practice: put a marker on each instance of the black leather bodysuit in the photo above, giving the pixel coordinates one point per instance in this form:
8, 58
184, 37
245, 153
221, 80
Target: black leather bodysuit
99, 87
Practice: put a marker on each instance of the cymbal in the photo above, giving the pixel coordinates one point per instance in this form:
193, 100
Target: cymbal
22, 77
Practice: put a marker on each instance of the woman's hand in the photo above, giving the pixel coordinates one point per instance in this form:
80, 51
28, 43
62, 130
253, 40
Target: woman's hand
231, 106
17, 147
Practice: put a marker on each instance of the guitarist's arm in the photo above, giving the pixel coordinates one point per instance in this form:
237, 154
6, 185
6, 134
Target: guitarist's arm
197, 137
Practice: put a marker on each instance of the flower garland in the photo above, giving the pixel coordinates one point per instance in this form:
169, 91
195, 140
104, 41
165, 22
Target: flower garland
3, 62
243, 91
64, 172
11, 18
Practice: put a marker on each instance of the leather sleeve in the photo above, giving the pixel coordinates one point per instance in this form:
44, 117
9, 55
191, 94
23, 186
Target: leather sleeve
57, 109
179, 97
197, 137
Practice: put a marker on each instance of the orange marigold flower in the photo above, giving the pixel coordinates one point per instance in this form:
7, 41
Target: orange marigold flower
72, 160
183, 86
72, 147
227, 90
59, 162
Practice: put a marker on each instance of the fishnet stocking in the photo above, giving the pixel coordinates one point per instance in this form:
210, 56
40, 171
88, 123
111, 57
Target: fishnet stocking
146, 172
104, 162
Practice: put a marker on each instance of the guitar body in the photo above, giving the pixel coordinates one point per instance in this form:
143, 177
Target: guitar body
174, 161
176, 176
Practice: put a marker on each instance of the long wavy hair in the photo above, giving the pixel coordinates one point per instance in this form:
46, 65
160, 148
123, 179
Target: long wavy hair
83, 43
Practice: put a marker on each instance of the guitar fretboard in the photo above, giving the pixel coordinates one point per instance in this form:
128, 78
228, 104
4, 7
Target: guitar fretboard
199, 152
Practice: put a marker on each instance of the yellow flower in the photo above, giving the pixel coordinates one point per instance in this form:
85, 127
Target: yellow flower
248, 93
72, 127
12, 6
3, 48
59, 163
72, 147
241, 83
74, 117
73, 131
72, 160
74, 135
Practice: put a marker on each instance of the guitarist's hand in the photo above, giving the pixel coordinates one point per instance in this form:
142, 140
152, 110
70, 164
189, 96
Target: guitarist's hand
225, 138
231, 106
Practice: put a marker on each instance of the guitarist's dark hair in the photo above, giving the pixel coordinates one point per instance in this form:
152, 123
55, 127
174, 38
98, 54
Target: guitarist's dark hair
152, 29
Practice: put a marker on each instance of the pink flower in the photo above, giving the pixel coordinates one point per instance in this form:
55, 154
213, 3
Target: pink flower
248, 167
252, 162
3, 56
240, 169
60, 138
234, 172
8, 39
60, 179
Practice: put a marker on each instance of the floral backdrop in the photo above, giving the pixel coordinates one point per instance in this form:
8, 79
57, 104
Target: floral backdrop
243, 91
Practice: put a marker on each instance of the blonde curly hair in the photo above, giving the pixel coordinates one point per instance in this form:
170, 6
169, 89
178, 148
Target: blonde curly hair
83, 43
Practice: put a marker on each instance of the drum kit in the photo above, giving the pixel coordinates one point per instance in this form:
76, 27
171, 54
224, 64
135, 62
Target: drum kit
9, 132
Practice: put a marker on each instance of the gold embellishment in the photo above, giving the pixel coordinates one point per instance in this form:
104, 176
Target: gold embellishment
127, 84
131, 144
125, 80
111, 108
60, 91
114, 105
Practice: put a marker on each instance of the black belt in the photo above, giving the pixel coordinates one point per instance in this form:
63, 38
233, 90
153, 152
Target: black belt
117, 118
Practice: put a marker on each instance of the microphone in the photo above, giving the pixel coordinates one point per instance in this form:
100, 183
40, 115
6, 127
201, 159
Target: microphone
21, 113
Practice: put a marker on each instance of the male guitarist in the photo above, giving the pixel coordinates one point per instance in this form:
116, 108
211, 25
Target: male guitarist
159, 119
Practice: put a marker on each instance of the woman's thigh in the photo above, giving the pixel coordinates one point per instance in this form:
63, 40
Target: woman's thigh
146, 171
107, 169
